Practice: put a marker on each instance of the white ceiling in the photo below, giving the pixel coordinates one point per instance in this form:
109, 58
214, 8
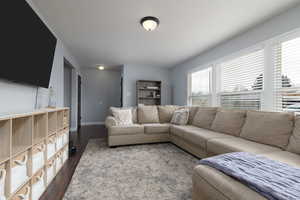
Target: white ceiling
108, 31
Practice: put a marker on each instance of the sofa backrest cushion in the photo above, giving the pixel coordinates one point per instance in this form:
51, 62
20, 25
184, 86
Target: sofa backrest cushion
268, 128
148, 114
204, 117
133, 110
166, 113
229, 121
294, 142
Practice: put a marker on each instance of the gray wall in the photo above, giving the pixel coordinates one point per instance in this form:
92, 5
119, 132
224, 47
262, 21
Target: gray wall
281, 24
100, 90
17, 98
67, 86
133, 73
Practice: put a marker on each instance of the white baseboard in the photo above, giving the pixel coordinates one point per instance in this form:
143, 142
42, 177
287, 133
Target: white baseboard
91, 123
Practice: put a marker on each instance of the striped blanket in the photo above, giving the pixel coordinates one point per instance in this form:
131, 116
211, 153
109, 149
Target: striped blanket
271, 179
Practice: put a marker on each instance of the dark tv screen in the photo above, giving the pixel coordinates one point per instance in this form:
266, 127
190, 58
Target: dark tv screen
27, 45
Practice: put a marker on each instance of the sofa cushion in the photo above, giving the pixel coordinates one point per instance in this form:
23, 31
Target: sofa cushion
289, 158
123, 116
227, 145
229, 121
180, 117
126, 130
180, 130
133, 110
148, 114
157, 128
294, 142
204, 117
268, 128
193, 111
219, 186
200, 136
166, 113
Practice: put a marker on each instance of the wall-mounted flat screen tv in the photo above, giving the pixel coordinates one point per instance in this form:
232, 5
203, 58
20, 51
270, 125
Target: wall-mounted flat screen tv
27, 45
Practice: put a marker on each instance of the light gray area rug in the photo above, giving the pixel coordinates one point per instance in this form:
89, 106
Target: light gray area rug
140, 172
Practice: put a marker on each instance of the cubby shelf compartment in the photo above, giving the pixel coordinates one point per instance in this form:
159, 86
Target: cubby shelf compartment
52, 123
60, 120
22, 137
21, 134
5, 138
40, 128
5, 179
20, 171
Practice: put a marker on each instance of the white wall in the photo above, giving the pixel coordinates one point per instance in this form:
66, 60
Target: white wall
100, 90
16, 98
133, 73
281, 24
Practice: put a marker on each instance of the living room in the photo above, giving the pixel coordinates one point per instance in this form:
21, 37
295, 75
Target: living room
187, 100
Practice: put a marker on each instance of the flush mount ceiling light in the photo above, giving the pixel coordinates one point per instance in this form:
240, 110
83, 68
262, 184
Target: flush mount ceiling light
101, 68
149, 23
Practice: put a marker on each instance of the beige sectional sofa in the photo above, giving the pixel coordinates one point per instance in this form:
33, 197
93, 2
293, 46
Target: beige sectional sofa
215, 131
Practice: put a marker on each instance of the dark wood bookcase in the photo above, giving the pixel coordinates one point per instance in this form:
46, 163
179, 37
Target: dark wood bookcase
148, 92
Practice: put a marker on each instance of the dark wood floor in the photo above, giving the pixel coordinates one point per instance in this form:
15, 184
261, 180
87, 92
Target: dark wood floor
59, 185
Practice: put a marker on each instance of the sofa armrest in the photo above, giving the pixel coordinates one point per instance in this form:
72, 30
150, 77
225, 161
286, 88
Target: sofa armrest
110, 121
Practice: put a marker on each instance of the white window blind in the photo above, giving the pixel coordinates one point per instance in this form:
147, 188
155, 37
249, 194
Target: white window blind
287, 76
242, 81
200, 88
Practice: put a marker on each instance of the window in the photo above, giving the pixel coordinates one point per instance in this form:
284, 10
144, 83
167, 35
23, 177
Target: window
242, 81
287, 76
200, 88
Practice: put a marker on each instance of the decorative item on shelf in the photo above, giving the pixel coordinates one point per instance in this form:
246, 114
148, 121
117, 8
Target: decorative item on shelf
152, 88
19, 171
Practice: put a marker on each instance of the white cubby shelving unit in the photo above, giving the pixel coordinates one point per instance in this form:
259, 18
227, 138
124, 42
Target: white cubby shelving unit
25, 140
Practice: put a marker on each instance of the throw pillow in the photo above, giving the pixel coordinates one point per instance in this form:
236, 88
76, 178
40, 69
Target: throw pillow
180, 117
123, 116
133, 111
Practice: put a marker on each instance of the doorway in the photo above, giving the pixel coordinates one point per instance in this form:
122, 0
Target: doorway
68, 87
79, 102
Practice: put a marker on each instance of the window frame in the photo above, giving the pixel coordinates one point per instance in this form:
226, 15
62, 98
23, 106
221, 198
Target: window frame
189, 79
236, 55
277, 90
267, 94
